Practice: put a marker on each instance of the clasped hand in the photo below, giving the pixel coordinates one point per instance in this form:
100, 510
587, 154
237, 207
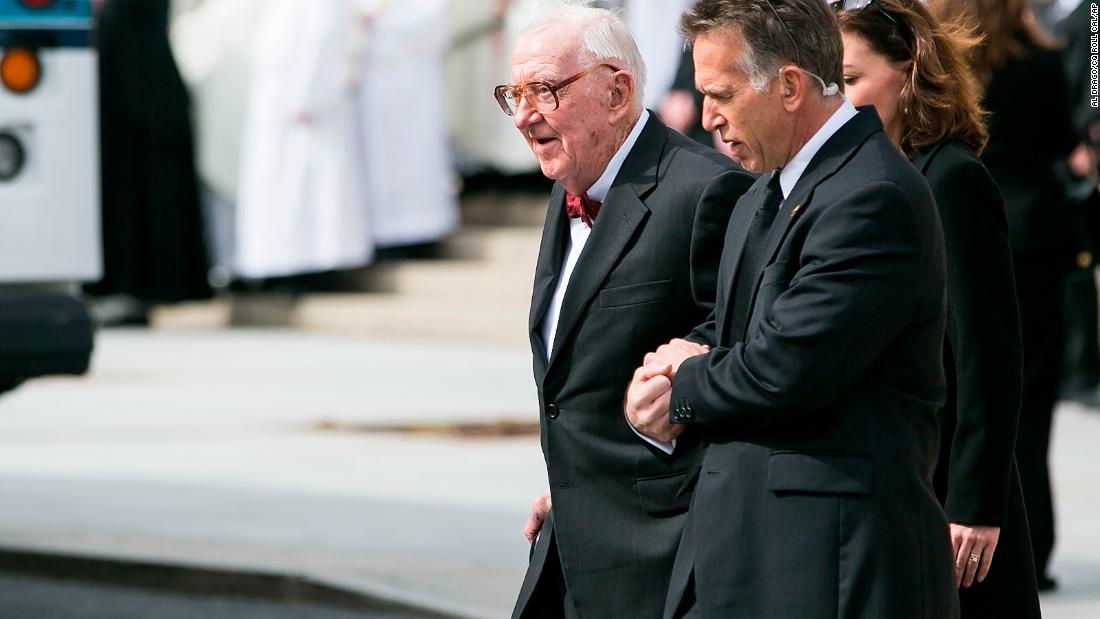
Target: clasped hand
650, 391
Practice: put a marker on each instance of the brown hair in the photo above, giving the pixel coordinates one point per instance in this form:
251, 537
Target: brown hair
1008, 26
776, 32
940, 98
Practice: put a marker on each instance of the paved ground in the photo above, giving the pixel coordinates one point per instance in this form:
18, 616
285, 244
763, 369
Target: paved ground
218, 449
208, 448
1076, 469
36, 598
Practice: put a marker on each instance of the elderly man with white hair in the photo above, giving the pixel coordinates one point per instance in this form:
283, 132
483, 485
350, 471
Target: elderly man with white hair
629, 259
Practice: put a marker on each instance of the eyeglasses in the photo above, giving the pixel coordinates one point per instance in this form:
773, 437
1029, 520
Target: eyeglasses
859, 5
539, 95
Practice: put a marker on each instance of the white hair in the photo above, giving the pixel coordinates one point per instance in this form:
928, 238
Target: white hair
604, 36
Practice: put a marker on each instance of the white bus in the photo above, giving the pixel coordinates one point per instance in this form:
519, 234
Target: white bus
49, 186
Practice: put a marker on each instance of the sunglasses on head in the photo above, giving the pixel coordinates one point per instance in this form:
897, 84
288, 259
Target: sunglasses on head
859, 5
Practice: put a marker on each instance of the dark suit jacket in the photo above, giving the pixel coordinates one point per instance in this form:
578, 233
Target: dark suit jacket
646, 275
976, 477
815, 495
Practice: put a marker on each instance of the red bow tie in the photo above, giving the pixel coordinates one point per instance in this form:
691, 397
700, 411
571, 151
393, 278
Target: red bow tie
581, 206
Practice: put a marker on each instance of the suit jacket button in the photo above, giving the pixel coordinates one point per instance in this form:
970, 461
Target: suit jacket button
552, 411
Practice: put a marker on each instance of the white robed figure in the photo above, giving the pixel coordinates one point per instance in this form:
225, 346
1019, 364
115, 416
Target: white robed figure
301, 206
409, 175
212, 43
482, 137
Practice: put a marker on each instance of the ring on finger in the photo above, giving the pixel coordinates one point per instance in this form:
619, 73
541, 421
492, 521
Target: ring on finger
974, 558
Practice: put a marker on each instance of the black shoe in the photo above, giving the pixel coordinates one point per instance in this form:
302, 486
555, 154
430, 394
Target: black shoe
1046, 583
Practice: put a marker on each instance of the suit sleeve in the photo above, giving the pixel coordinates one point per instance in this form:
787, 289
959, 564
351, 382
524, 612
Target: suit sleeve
707, 239
705, 332
863, 262
983, 340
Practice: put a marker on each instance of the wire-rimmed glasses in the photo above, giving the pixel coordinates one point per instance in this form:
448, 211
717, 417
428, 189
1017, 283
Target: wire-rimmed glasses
539, 95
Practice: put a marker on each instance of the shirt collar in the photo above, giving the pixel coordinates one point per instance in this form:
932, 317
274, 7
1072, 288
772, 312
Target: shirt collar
789, 175
598, 190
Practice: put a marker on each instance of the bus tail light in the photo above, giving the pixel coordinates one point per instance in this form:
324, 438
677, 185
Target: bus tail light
20, 70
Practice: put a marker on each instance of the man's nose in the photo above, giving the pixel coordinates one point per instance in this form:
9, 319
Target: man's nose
525, 115
710, 119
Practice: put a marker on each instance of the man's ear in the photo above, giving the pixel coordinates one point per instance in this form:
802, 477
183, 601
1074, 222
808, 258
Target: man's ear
622, 90
792, 87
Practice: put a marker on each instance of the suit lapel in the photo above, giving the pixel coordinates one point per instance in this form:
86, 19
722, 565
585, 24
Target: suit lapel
548, 269
619, 217
622, 213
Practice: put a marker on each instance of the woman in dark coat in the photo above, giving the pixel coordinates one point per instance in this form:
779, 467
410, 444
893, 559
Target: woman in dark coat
900, 59
153, 246
1030, 134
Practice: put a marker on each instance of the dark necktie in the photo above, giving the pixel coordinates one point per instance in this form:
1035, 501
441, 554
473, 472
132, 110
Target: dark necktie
581, 206
753, 257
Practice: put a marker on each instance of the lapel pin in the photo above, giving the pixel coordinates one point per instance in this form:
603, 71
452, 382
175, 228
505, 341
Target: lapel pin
794, 211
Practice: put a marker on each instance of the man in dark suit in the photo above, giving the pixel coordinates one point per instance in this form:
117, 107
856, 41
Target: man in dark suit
629, 258
818, 396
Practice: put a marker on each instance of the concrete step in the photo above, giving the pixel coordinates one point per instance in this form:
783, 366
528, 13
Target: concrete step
493, 244
373, 314
504, 209
461, 282
478, 290
503, 321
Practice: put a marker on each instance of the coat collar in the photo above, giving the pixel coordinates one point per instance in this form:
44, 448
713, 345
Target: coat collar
922, 159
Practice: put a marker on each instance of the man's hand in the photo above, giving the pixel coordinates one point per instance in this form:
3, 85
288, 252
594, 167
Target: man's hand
540, 507
674, 354
647, 401
973, 541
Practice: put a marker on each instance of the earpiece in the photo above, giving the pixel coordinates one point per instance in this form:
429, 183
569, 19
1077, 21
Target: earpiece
827, 90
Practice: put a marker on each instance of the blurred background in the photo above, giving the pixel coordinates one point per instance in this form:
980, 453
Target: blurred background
265, 268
